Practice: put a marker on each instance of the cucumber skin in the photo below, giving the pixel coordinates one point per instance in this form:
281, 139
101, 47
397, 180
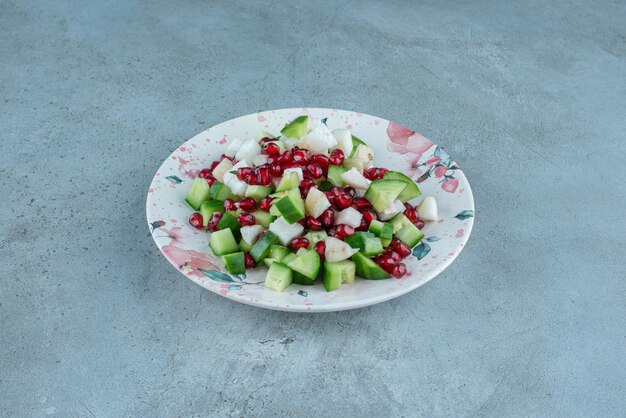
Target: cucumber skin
291, 208
410, 235
367, 268
235, 263
220, 191
198, 193
261, 248
301, 279
296, 128
334, 175
221, 239
272, 280
411, 191
382, 187
288, 182
230, 221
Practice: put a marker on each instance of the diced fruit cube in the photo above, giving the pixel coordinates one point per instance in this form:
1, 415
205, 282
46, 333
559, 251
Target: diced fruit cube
411, 191
288, 181
349, 216
355, 144
263, 218
297, 128
335, 173
316, 203
248, 149
207, 209
383, 230
198, 193
344, 140
258, 192
285, 231
391, 210
291, 207
229, 221
223, 242
361, 159
234, 146
235, 263
319, 139
279, 277
382, 193
314, 237
342, 271
278, 252
222, 168
355, 179
428, 209
337, 250
410, 235
261, 248
399, 221
367, 242
367, 268
250, 234
219, 191
307, 263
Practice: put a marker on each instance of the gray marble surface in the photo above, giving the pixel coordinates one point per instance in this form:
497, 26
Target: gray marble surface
529, 97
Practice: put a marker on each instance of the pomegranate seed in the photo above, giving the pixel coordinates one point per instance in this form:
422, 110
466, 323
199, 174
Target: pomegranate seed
386, 263
213, 165
343, 201
321, 160
301, 156
369, 216
247, 205
285, 158
328, 218
248, 260
336, 157
265, 203
305, 186
394, 255
265, 139
361, 203
316, 171
205, 173
245, 219
382, 172
399, 270
314, 224
420, 224
349, 190
210, 180
371, 173
251, 179
320, 247
276, 170
272, 159
215, 219
336, 191
302, 222
229, 205
243, 173
263, 176
362, 226
411, 213
271, 149
341, 231
299, 242
196, 220
400, 247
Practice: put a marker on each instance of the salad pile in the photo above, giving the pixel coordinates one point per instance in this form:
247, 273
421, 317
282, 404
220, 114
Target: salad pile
308, 203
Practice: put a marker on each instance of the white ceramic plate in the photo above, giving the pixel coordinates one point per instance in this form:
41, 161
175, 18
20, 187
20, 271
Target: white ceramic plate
396, 147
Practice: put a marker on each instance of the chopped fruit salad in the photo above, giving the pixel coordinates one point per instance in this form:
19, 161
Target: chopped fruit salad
308, 204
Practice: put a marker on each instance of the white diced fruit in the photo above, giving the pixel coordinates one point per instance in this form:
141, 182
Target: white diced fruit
248, 149
349, 216
337, 250
312, 123
289, 142
285, 231
355, 179
296, 170
316, 202
234, 146
362, 158
319, 139
235, 185
250, 234
222, 168
344, 140
428, 209
259, 160
391, 210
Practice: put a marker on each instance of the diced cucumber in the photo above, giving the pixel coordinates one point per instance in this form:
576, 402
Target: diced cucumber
268, 261
288, 181
307, 263
291, 207
279, 277
207, 209
355, 144
344, 270
382, 193
257, 192
296, 128
263, 218
367, 268
198, 193
235, 263
274, 210
411, 190
302, 279
278, 252
289, 258
399, 221
229, 220
410, 235
223, 242
334, 175
220, 191
314, 237
367, 242
383, 230
261, 248
244, 246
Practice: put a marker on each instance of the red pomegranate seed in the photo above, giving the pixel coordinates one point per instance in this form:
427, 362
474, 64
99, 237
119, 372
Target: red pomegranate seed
362, 203
343, 201
243, 173
229, 205
320, 247
341, 231
382, 172
420, 224
248, 260
336, 191
265, 139
400, 247
411, 213
330, 196
213, 165
205, 173
247, 205
299, 242
276, 170
305, 186
251, 179
314, 224
302, 222
285, 158
394, 255
386, 263
349, 190
245, 219
210, 180
265, 203
315, 170
362, 226
215, 219
321, 160
336, 157
263, 176
271, 149
301, 156
196, 220
272, 159
369, 216
399, 270
328, 218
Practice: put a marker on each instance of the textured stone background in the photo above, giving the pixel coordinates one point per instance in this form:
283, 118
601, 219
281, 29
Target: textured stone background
530, 99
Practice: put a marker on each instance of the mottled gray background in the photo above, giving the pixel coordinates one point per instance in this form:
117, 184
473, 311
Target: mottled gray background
529, 97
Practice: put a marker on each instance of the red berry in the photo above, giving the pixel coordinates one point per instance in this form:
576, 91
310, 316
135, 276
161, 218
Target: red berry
320, 247
285, 158
336, 157
247, 205
361, 203
276, 169
314, 224
305, 186
263, 176
301, 156
321, 160
315, 170
386, 263
420, 224
251, 179
205, 173
362, 226
343, 201
245, 219
411, 213
303, 222
336, 191
272, 159
215, 219
210, 180
349, 190
389, 253
243, 173
400, 247
299, 242
213, 165
369, 216
196, 220
328, 218
399, 270
265, 203
341, 231
272, 149
229, 205
248, 260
